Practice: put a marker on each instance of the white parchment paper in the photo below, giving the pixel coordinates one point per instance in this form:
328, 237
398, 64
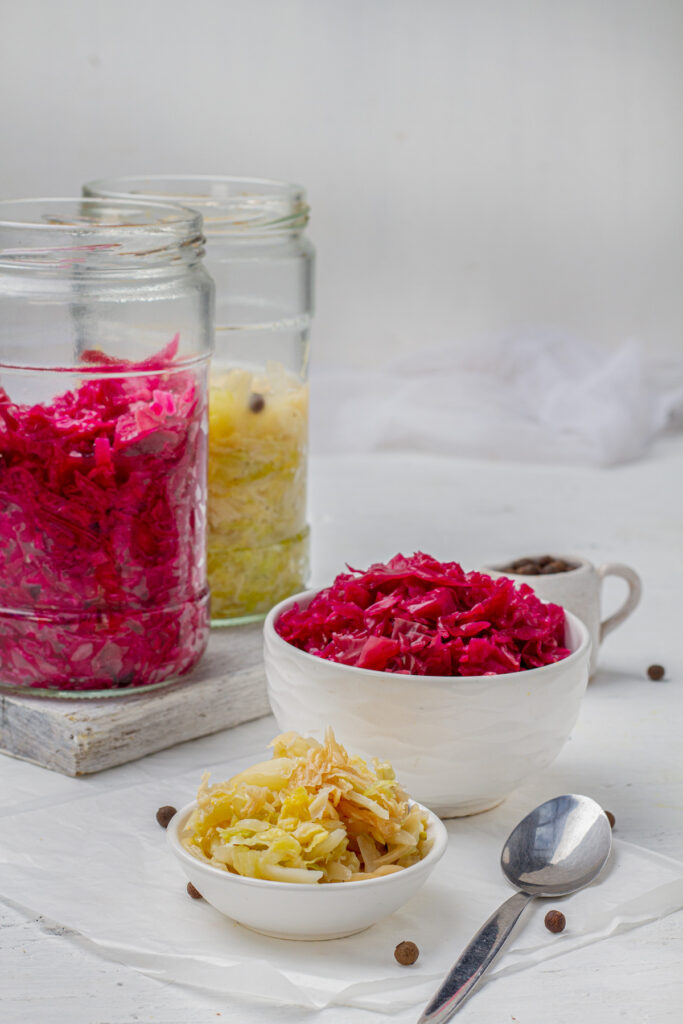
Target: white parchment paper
101, 866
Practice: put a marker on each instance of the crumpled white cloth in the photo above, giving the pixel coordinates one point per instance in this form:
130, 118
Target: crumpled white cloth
540, 399
101, 865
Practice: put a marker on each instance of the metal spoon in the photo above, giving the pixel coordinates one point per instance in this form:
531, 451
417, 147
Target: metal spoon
556, 850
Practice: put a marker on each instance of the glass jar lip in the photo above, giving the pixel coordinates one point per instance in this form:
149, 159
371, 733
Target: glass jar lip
163, 214
63, 230
229, 204
102, 370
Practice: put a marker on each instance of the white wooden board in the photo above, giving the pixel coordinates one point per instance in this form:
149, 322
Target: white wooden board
81, 736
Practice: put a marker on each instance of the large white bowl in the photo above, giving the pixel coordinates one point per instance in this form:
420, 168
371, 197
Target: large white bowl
458, 744
286, 910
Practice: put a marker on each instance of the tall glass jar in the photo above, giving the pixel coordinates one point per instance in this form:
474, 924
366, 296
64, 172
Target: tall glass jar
106, 327
262, 264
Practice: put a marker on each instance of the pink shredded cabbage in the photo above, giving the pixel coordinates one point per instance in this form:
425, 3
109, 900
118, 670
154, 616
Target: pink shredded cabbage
421, 617
102, 530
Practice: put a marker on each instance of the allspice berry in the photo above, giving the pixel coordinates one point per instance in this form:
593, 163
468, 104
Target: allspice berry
555, 921
194, 893
610, 817
655, 672
406, 953
164, 815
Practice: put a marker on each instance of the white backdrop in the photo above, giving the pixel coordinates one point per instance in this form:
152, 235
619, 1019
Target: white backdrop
475, 166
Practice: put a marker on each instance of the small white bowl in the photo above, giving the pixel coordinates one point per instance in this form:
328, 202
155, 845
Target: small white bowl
459, 744
286, 910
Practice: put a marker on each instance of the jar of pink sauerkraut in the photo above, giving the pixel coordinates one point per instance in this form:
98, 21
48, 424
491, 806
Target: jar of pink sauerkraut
106, 327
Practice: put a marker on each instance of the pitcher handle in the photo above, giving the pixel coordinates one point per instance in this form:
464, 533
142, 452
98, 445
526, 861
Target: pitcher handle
635, 589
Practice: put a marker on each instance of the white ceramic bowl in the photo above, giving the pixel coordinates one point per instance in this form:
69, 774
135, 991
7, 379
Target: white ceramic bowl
458, 744
286, 910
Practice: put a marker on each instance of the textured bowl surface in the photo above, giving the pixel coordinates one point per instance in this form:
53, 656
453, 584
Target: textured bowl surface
290, 911
458, 744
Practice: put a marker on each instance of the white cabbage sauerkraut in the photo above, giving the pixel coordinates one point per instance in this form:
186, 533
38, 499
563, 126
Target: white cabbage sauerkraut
311, 814
257, 531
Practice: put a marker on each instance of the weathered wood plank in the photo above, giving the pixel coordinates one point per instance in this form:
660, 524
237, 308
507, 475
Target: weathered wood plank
81, 736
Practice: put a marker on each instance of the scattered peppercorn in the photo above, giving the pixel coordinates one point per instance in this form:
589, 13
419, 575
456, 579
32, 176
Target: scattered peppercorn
194, 893
610, 817
257, 402
164, 815
406, 953
656, 672
555, 921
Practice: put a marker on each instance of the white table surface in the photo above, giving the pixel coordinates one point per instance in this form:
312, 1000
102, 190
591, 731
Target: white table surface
625, 750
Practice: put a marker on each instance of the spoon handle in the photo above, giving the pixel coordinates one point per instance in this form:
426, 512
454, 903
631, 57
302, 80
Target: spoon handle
474, 960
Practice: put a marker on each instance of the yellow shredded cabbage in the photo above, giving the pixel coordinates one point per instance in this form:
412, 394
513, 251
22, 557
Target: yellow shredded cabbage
310, 814
257, 533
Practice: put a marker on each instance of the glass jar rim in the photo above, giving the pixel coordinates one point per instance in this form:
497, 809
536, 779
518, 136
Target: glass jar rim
229, 204
63, 230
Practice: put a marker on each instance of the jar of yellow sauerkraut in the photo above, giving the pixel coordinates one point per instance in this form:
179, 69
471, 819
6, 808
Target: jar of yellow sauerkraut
262, 265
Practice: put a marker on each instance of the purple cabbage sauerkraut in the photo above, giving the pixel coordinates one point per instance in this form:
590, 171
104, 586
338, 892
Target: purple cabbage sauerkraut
102, 529
422, 617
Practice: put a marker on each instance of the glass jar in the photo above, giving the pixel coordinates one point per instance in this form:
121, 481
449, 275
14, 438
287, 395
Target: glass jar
262, 263
105, 334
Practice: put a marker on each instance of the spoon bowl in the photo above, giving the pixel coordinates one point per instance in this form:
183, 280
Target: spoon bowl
559, 848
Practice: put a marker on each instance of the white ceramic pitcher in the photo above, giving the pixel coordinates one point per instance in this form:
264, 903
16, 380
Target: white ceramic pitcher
579, 591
